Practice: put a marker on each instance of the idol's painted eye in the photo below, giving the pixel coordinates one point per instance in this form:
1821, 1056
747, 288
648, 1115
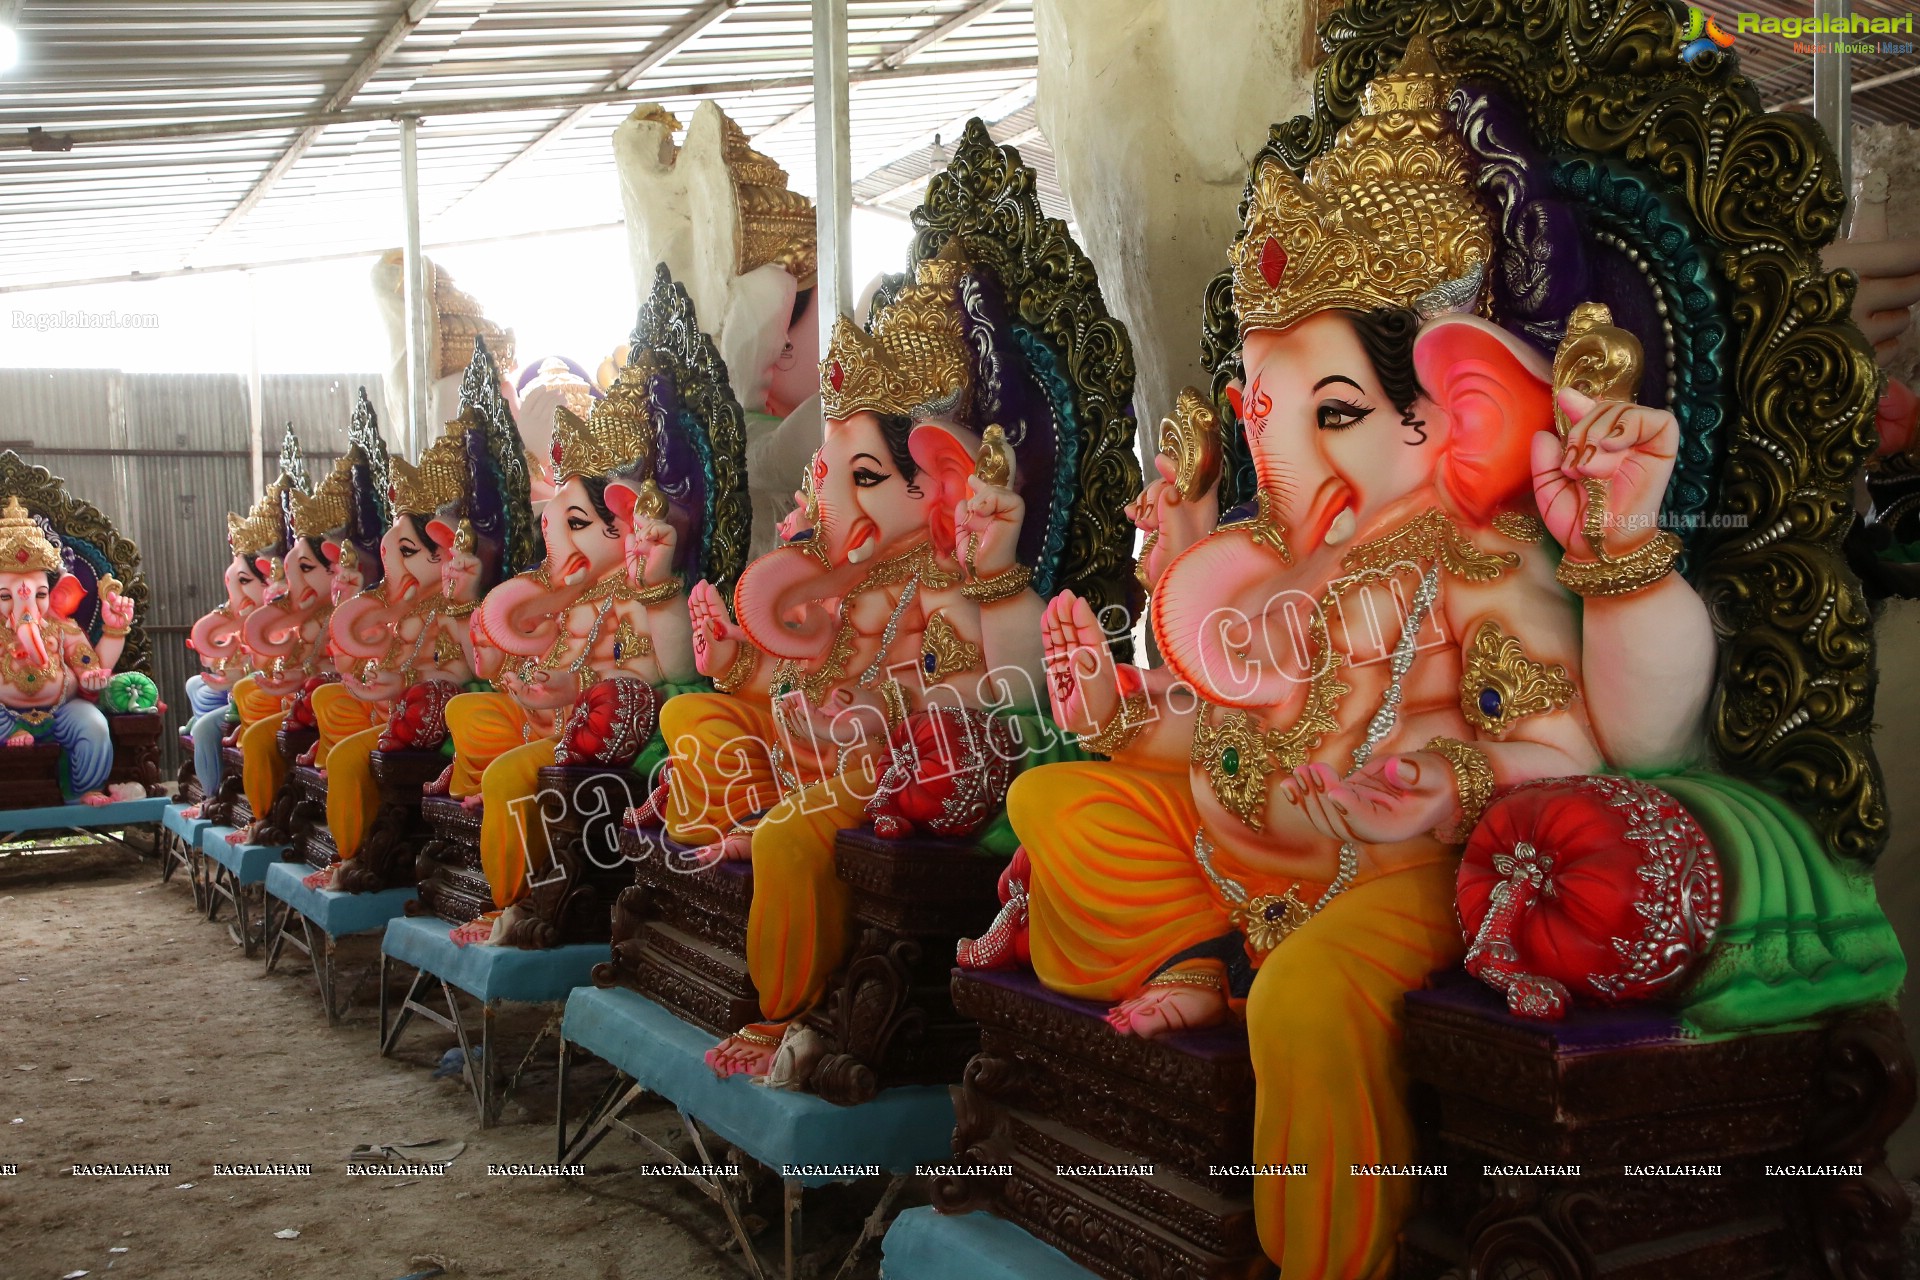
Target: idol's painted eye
866, 478
1338, 415
408, 551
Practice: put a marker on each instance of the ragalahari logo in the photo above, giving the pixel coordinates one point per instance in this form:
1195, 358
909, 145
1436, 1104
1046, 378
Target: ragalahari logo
1703, 36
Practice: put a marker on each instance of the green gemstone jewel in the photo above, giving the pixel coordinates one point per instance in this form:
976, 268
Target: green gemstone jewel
1230, 761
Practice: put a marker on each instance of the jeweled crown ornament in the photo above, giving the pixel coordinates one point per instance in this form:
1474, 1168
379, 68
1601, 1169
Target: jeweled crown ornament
23, 545
438, 479
1386, 218
615, 436
326, 510
775, 224
913, 364
260, 529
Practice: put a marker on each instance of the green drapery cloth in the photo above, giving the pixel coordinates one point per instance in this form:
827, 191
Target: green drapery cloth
1800, 936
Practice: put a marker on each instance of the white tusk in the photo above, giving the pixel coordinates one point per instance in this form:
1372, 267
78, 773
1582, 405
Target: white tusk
1341, 529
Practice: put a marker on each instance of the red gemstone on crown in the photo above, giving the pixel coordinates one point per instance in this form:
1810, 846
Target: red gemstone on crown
1273, 262
836, 375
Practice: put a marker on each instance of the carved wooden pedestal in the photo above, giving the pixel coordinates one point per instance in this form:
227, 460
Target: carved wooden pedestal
188, 782
227, 806
1621, 1095
680, 935
452, 886
1053, 1086
309, 840
888, 1017
568, 901
30, 776
398, 829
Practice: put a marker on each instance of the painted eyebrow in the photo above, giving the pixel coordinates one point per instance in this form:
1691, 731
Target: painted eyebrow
1335, 377
869, 457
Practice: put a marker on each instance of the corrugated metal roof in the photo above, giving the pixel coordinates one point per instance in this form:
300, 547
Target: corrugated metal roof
121, 207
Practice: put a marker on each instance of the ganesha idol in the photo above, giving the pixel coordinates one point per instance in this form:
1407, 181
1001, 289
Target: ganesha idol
399, 644
895, 637
1452, 582
287, 637
51, 676
215, 638
583, 647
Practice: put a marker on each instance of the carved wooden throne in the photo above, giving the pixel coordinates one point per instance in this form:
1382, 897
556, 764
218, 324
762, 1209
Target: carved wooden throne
90, 549
1617, 172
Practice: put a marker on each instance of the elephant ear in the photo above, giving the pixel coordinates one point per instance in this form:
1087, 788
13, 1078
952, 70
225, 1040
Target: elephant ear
67, 595
1497, 394
945, 456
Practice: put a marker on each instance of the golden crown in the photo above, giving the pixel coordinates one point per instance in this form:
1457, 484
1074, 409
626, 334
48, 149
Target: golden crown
775, 224
460, 320
616, 435
1384, 219
326, 510
913, 364
260, 530
23, 547
439, 478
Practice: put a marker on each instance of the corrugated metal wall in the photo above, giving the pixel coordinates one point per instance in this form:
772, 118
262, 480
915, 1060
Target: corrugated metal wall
165, 456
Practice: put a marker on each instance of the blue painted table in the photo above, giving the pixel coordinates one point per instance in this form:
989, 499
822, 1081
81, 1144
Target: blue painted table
334, 915
925, 1245
490, 975
239, 876
806, 1139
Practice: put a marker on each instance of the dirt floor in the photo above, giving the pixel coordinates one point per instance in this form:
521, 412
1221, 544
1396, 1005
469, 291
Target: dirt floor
132, 1032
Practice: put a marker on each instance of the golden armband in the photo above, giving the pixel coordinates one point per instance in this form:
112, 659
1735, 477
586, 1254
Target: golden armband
1472, 779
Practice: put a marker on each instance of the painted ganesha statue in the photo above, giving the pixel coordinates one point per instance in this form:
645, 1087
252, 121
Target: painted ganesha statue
68, 619
883, 665
583, 648
1462, 594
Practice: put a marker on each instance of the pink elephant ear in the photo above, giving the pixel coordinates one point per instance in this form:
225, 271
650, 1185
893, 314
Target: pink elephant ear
66, 596
441, 532
945, 456
621, 496
1497, 394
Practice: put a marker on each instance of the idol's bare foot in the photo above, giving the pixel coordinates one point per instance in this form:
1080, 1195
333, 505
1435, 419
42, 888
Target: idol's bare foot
748, 1051
1160, 1011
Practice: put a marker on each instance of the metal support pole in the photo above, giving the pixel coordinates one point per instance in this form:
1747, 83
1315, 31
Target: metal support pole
833, 164
256, 432
413, 275
1833, 83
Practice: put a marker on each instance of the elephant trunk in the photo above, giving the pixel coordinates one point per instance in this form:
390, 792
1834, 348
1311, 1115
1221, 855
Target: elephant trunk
27, 631
1227, 626
786, 602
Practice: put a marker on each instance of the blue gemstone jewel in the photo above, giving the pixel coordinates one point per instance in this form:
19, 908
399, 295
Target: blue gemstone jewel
1490, 703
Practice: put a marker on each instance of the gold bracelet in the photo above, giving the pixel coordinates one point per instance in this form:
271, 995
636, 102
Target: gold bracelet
1472, 779
1001, 586
739, 671
459, 610
1621, 575
1207, 978
1128, 723
659, 591
115, 633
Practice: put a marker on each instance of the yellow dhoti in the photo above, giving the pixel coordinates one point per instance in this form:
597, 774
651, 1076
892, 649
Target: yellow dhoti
262, 768
723, 774
484, 726
254, 704
492, 755
1116, 893
338, 715
722, 767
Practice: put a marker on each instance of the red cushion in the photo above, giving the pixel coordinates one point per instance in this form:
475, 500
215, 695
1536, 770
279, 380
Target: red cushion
1613, 889
610, 723
418, 721
949, 776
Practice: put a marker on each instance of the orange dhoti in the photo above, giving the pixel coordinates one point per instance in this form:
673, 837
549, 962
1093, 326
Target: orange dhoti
494, 756
350, 729
1116, 893
722, 775
262, 770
